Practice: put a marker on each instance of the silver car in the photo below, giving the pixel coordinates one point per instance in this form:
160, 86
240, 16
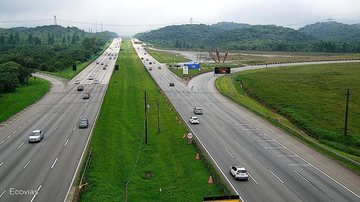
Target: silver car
36, 136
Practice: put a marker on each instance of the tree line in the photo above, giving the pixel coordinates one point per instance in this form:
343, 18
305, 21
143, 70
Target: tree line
47, 48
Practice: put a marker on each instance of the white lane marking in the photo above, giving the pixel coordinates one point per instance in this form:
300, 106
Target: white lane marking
66, 142
36, 193
248, 151
14, 132
253, 179
2, 193
52, 166
8, 136
301, 176
24, 123
229, 153
2, 163
281, 147
276, 176
19, 127
27, 164
43, 144
2, 142
74, 128
21, 145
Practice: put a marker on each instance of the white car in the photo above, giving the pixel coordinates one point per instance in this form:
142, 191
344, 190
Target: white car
77, 81
36, 136
91, 78
96, 81
194, 120
239, 173
198, 110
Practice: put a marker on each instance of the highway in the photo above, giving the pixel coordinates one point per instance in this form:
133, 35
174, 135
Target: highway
281, 168
45, 171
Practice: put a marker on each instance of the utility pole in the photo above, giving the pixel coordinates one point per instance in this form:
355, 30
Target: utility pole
347, 111
158, 116
145, 97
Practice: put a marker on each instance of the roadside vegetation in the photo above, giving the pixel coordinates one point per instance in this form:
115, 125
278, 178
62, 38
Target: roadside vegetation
11, 103
311, 98
123, 167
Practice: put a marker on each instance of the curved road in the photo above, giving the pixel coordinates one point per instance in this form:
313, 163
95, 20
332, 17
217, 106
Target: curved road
281, 168
45, 171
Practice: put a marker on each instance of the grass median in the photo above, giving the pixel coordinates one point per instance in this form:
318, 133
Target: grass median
12, 103
123, 167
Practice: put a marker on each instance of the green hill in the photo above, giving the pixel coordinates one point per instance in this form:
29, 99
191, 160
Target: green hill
235, 36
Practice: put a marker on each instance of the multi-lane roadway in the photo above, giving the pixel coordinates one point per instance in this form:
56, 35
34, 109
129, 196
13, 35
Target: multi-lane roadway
281, 168
45, 171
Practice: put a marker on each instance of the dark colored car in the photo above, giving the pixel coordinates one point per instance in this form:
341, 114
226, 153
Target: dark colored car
171, 84
80, 87
84, 123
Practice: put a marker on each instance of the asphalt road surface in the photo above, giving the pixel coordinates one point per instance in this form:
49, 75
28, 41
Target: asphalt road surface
281, 168
45, 171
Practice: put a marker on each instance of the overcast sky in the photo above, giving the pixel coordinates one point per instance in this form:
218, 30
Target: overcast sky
128, 17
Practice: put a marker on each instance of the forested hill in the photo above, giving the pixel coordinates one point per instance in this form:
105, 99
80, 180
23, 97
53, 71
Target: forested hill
334, 31
235, 36
46, 48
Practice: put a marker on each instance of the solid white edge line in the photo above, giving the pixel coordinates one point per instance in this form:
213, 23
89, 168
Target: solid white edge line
9, 136
27, 164
14, 132
2, 142
52, 166
2, 163
86, 145
74, 128
36, 193
276, 176
2, 193
253, 179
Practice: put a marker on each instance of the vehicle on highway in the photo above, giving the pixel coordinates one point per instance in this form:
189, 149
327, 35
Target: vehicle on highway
171, 84
239, 173
194, 120
159, 67
36, 136
83, 123
150, 63
110, 58
97, 63
147, 59
77, 81
91, 77
198, 110
86, 96
80, 87
142, 58
104, 68
96, 81
150, 68
102, 63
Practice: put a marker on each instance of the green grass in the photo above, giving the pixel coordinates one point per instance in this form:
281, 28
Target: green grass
166, 162
69, 73
166, 57
310, 97
12, 103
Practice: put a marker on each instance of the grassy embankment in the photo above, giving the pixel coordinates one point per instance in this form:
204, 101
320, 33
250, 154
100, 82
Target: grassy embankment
165, 169
12, 103
310, 97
